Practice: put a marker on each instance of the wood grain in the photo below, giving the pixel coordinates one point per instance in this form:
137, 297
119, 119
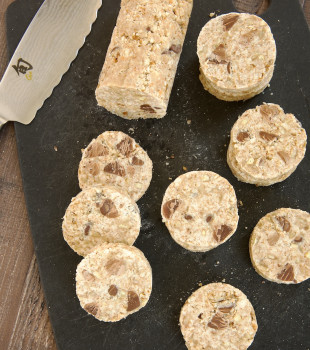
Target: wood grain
24, 320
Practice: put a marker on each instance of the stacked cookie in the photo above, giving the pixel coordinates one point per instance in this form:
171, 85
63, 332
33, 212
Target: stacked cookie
102, 223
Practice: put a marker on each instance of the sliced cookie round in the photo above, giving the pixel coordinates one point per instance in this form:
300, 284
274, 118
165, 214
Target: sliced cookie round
218, 316
114, 158
200, 210
113, 281
100, 214
280, 246
266, 145
237, 53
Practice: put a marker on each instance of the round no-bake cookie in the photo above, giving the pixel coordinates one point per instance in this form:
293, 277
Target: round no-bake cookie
266, 145
114, 158
100, 214
237, 53
218, 316
280, 246
113, 281
200, 210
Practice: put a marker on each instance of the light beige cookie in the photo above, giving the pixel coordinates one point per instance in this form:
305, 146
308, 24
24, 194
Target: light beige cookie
218, 316
142, 58
266, 145
113, 281
200, 210
237, 53
114, 158
280, 246
100, 214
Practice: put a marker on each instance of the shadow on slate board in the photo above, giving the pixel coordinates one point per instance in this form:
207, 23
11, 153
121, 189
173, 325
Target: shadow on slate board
70, 118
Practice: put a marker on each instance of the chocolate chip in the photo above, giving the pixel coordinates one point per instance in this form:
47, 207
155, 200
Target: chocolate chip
88, 276
222, 233
93, 168
115, 168
287, 274
125, 147
226, 309
148, 29
92, 308
86, 230
147, 108
200, 316
298, 239
229, 20
217, 322
284, 223
137, 161
170, 207
242, 136
113, 290
209, 218
108, 209
96, 149
267, 136
133, 301
187, 217
219, 51
115, 267
284, 156
268, 111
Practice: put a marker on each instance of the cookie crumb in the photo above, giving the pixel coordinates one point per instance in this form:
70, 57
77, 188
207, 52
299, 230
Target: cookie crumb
200, 284
189, 122
172, 156
240, 203
55, 148
212, 14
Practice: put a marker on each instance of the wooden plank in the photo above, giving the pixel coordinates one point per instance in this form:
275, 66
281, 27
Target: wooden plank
24, 320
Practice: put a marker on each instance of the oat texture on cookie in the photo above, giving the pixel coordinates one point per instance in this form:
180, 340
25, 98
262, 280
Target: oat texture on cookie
114, 158
280, 246
142, 58
113, 281
218, 316
266, 145
100, 214
200, 210
237, 54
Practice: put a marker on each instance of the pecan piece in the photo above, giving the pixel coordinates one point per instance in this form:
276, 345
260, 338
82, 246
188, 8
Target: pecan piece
188, 217
298, 239
267, 136
268, 111
242, 136
108, 209
93, 168
215, 61
133, 301
147, 108
209, 218
115, 267
219, 51
229, 67
96, 149
217, 322
88, 276
115, 168
284, 223
287, 274
226, 309
113, 290
137, 161
284, 156
92, 308
222, 233
229, 20
173, 48
272, 240
86, 230
125, 147
170, 207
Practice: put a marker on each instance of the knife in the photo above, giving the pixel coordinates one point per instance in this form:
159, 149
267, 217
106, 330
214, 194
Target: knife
43, 55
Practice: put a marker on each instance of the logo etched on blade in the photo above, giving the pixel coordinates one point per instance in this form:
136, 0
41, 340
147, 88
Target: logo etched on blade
23, 67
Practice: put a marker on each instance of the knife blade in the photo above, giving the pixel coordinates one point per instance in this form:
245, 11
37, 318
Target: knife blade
44, 54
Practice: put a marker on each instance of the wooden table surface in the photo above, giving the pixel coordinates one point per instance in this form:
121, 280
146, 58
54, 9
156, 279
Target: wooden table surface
24, 321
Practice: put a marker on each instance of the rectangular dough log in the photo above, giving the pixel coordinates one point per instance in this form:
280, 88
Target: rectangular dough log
142, 58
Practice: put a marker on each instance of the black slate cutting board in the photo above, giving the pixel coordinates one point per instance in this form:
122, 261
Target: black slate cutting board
70, 118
